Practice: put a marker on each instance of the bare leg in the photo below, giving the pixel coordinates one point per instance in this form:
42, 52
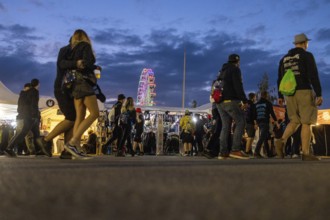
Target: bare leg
134, 146
249, 142
289, 130
306, 134
62, 127
91, 103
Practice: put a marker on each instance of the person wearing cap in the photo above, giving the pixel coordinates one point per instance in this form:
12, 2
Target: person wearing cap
302, 105
115, 111
231, 108
139, 125
187, 129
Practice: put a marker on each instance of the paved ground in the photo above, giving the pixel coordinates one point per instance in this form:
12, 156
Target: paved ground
163, 187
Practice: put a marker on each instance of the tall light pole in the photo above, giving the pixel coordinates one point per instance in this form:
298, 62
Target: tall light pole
184, 78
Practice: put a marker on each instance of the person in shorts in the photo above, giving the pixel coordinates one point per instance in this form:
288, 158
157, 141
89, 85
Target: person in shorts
302, 105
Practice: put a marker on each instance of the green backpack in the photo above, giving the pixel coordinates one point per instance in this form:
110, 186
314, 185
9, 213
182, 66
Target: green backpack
288, 83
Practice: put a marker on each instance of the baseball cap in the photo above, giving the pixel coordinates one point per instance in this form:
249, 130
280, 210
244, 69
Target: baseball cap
233, 58
121, 97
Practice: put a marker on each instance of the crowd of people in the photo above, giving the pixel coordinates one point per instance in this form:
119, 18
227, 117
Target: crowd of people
228, 132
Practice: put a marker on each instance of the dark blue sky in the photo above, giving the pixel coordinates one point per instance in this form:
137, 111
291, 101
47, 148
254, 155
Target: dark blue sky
130, 35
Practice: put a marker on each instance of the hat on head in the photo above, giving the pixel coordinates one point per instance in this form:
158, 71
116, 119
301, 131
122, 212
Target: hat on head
187, 112
233, 58
300, 38
121, 97
138, 110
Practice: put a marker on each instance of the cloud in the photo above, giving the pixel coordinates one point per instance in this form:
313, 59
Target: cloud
117, 37
323, 34
256, 30
18, 32
162, 50
38, 3
2, 7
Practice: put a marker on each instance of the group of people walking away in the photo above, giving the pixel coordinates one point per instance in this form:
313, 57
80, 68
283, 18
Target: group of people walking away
74, 89
301, 106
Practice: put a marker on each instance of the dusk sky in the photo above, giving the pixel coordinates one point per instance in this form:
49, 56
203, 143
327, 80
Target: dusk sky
129, 35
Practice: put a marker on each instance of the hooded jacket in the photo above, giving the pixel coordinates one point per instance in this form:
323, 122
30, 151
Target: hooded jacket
233, 89
304, 67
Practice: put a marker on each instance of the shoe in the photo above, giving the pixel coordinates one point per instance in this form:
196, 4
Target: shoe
141, 153
208, 155
133, 153
9, 153
257, 156
295, 156
46, 147
65, 155
309, 158
239, 155
120, 154
223, 156
75, 153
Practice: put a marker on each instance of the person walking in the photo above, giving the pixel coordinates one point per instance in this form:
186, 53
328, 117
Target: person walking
31, 119
126, 120
264, 109
82, 90
251, 124
231, 108
65, 103
302, 105
113, 118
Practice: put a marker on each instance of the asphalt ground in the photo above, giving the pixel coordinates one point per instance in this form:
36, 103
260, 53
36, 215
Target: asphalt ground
163, 187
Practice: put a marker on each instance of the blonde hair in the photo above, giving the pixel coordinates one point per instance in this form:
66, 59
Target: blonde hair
80, 36
129, 105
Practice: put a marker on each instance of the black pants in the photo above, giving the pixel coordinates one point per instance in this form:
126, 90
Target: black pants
263, 138
125, 136
199, 142
214, 143
28, 124
115, 135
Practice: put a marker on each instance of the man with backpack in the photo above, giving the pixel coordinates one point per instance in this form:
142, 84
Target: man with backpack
113, 118
187, 129
302, 105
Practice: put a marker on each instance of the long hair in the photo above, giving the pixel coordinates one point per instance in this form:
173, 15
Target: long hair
129, 105
80, 36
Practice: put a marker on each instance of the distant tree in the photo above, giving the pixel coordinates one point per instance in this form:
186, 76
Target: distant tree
194, 104
263, 85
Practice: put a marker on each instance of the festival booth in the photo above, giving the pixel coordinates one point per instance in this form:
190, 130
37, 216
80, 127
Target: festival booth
321, 140
51, 116
162, 127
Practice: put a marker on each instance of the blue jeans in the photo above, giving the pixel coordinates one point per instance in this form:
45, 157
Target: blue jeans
229, 112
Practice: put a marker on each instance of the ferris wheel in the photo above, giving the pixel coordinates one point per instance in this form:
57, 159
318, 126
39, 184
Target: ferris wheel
146, 89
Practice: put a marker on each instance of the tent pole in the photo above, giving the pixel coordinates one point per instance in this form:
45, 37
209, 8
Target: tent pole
325, 140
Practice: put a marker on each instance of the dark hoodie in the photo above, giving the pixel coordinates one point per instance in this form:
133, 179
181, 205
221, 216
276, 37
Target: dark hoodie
304, 67
232, 83
23, 105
